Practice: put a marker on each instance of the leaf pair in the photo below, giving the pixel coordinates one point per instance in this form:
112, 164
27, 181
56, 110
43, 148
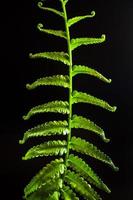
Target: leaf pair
60, 147
63, 80
47, 181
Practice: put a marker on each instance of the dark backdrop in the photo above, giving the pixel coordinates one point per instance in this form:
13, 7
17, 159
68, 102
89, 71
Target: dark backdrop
19, 36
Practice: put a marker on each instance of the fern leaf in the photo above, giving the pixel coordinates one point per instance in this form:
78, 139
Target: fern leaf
87, 148
80, 97
68, 194
50, 171
46, 190
53, 106
56, 80
75, 43
86, 171
81, 122
74, 20
58, 33
47, 149
58, 56
47, 129
40, 5
81, 186
79, 69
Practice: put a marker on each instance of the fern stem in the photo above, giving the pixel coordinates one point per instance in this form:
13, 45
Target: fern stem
70, 77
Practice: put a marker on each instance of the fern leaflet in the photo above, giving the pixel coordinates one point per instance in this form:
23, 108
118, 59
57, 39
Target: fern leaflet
57, 12
87, 148
57, 33
86, 171
75, 43
56, 80
81, 122
50, 171
53, 106
79, 69
58, 56
81, 186
75, 20
80, 97
47, 149
47, 129
45, 190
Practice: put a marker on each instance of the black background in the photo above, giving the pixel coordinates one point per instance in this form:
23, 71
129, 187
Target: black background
19, 36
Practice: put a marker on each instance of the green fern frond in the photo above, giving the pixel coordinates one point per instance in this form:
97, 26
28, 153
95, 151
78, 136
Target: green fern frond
68, 194
77, 42
81, 186
86, 171
68, 176
58, 33
47, 129
87, 148
51, 171
53, 106
76, 19
81, 69
57, 12
57, 56
47, 149
81, 122
56, 80
81, 97
45, 190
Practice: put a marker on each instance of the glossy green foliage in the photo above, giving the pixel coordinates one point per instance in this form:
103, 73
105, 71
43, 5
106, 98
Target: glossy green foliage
74, 20
58, 80
82, 168
53, 106
50, 171
80, 69
82, 122
68, 177
46, 129
58, 56
58, 33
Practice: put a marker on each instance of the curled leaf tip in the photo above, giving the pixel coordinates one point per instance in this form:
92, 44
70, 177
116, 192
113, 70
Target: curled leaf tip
93, 13
30, 55
110, 80
23, 158
25, 117
21, 142
114, 167
108, 190
40, 26
103, 36
106, 140
40, 4
28, 86
114, 108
